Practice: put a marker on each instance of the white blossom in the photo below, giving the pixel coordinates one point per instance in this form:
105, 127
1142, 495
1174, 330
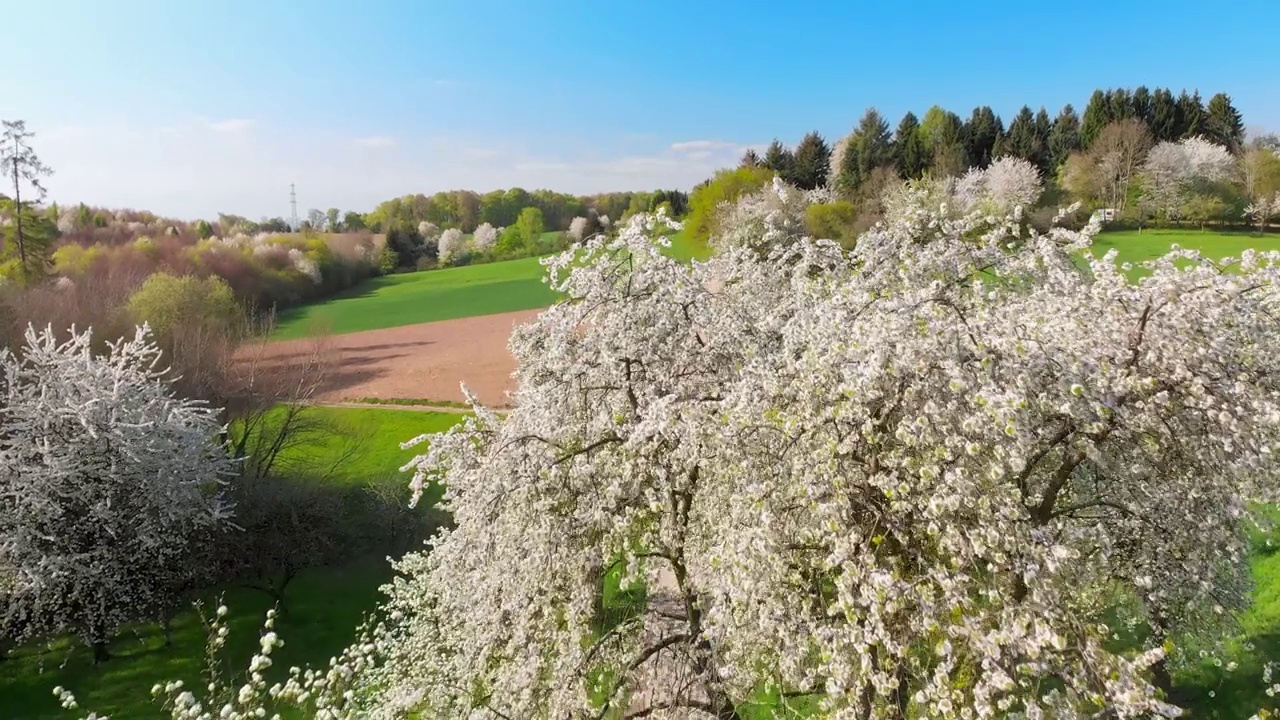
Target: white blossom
105, 481
452, 246
1171, 169
1009, 183
305, 265
577, 229
484, 238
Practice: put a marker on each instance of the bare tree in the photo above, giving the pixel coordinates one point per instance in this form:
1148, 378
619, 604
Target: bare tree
1119, 151
19, 162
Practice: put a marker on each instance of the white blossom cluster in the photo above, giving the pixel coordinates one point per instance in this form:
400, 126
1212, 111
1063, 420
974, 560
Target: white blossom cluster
578, 229
910, 480
1262, 210
105, 479
769, 218
305, 265
1172, 168
484, 238
428, 230
453, 246
1007, 184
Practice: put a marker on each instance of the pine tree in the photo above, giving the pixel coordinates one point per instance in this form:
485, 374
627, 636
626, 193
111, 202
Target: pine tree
780, 160
870, 147
909, 151
1191, 115
811, 158
1043, 127
1141, 103
27, 241
1164, 116
1064, 136
1223, 123
1097, 115
1022, 140
979, 136
750, 159
1121, 104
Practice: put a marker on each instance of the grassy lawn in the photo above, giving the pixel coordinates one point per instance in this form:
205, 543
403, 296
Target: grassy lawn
1137, 247
324, 605
432, 295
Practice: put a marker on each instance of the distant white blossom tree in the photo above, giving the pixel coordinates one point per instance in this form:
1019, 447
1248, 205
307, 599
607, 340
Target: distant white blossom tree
1171, 170
428, 230
1008, 183
453, 246
106, 480
578, 229
484, 238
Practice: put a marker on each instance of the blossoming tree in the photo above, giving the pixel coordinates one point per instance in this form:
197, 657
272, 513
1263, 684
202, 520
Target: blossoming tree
484, 238
911, 480
105, 480
452, 246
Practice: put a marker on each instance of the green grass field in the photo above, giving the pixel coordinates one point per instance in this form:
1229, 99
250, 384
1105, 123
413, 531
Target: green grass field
324, 605
1136, 247
431, 295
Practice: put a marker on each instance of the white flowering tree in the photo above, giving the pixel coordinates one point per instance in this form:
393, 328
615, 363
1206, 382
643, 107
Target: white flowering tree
765, 220
106, 480
578, 229
484, 238
911, 480
1007, 184
885, 482
1171, 171
453, 246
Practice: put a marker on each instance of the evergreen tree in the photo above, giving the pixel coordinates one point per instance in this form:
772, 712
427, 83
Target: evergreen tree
910, 154
750, 159
1064, 136
870, 147
979, 136
1022, 140
1164, 116
1043, 127
942, 133
780, 160
1223, 123
1141, 103
1121, 104
811, 159
1191, 115
1097, 115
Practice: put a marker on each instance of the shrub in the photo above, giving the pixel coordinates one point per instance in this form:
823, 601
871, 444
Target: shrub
833, 221
726, 187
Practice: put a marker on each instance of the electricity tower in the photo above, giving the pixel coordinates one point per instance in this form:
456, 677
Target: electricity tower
293, 208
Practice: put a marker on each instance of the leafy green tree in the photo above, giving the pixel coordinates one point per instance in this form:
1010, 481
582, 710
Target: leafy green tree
530, 226
19, 162
1064, 136
203, 229
833, 221
940, 127
979, 135
870, 147
811, 160
1164, 116
172, 304
353, 221
910, 155
333, 220
1223, 123
780, 160
726, 186
1097, 115
1191, 115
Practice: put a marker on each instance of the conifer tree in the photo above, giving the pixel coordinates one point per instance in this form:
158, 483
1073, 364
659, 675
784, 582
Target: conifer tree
1223, 124
980, 133
1064, 136
909, 152
1097, 115
810, 162
1164, 115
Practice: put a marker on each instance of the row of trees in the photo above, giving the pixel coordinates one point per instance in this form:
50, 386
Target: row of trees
943, 143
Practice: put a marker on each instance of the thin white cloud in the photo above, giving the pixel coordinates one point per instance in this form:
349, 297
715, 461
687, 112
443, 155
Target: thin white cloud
702, 146
375, 142
230, 125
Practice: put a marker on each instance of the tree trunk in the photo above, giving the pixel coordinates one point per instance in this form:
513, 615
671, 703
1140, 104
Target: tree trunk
17, 224
167, 625
100, 652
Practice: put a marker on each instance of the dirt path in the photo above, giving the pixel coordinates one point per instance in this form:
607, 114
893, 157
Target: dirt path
428, 361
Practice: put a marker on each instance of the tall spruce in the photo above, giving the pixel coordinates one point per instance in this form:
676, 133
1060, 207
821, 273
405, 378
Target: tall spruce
810, 162
910, 154
979, 136
870, 147
1043, 127
1064, 136
1141, 103
27, 240
1022, 140
1191, 115
1164, 116
1097, 115
1121, 104
1223, 123
780, 160
750, 159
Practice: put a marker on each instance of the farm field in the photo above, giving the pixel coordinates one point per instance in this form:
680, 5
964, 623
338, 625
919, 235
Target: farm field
1136, 247
324, 605
434, 295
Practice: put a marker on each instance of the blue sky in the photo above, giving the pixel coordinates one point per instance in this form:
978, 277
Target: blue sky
190, 108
